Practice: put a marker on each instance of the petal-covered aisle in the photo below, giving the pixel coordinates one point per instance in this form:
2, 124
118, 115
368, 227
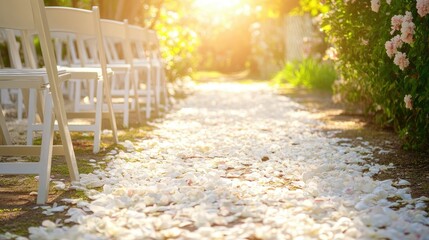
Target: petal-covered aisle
236, 161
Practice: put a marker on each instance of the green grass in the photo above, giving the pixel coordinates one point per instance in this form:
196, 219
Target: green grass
308, 73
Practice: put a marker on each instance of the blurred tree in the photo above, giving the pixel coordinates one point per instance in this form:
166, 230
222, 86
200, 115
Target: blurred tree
71, 3
167, 17
224, 27
274, 8
141, 12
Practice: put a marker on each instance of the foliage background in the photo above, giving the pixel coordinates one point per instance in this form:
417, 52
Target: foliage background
207, 38
369, 78
169, 18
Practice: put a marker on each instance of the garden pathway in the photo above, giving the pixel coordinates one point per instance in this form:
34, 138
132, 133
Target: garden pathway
236, 161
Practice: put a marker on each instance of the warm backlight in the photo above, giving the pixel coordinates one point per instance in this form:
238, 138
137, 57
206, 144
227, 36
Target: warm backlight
216, 4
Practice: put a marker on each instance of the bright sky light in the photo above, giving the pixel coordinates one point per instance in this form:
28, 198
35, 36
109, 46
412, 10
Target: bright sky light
216, 4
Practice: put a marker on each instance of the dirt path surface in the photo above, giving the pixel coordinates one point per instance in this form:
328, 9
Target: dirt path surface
409, 165
238, 161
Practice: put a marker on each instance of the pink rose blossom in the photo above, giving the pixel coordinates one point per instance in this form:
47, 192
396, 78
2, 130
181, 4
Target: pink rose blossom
390, 49
332, 53
401, 60
408, 101
408, 17
375, 5
407, 31
396, 23
422, 7
393, 45
397, 41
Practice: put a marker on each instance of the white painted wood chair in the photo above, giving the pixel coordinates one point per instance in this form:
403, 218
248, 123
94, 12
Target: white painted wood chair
147, 52
159, 67
138, 39
122, 84
29, 16
115, 34
82, 25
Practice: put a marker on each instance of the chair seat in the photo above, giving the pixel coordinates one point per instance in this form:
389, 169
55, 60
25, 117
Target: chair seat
92, 73
28, 78
113, 66
84, 72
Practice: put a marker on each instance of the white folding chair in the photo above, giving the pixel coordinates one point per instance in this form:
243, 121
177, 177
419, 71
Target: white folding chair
116, 39
82, 26
159, 67
29, 16
138, 39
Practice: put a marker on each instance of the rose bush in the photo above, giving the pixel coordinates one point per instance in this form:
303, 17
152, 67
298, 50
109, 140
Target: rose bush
383, 58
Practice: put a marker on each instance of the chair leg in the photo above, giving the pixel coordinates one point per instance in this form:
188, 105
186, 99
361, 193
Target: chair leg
77, 95
60, 116
91, 92
126, 109
20, 103
98, 116
46, 151
164, 89
39, 108
70, 89
25, 99
5, 99
158, 89
4, 133
148, 93
108, 100
136, 94
31, 118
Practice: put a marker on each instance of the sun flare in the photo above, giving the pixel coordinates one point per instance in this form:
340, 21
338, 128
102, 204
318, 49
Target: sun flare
216, 4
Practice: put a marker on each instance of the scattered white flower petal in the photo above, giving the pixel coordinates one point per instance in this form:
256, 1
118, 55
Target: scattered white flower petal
201, 175
403, 182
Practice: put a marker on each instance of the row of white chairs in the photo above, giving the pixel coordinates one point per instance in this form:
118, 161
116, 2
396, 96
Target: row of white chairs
105, 66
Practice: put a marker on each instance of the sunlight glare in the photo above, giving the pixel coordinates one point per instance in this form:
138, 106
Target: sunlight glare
216, 4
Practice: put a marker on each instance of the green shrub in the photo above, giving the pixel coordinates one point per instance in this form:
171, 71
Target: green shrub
309, 73
179, 44
374, 73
